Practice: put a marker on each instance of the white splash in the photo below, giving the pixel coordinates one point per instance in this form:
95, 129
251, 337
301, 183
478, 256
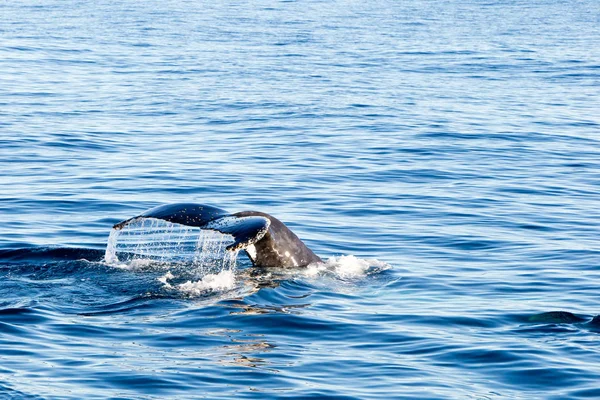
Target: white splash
346, 267
165, 278
224, 280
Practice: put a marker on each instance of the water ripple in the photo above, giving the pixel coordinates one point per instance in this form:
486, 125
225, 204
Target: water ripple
441, 156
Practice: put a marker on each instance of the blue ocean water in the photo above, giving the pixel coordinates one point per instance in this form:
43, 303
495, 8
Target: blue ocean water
443, 156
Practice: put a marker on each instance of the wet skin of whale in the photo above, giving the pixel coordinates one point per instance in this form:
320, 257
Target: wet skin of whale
563, 317
266, 240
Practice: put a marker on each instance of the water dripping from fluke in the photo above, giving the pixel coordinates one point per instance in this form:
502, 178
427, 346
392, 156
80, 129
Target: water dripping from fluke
196, 258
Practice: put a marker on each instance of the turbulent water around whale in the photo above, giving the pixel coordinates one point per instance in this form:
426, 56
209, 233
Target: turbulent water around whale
442, 158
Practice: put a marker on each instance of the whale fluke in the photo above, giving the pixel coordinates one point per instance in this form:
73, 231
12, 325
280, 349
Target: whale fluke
245, 230
266, 240
180, 213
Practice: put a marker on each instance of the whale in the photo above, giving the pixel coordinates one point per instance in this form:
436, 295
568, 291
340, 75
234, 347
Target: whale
267, 241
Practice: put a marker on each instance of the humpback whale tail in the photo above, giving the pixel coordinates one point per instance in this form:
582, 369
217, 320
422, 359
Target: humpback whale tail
266, 240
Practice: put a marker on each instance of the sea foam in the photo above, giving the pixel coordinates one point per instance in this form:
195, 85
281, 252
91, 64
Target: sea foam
347, 266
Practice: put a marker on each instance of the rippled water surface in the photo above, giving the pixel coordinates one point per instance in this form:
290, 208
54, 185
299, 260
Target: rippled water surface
442, 157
